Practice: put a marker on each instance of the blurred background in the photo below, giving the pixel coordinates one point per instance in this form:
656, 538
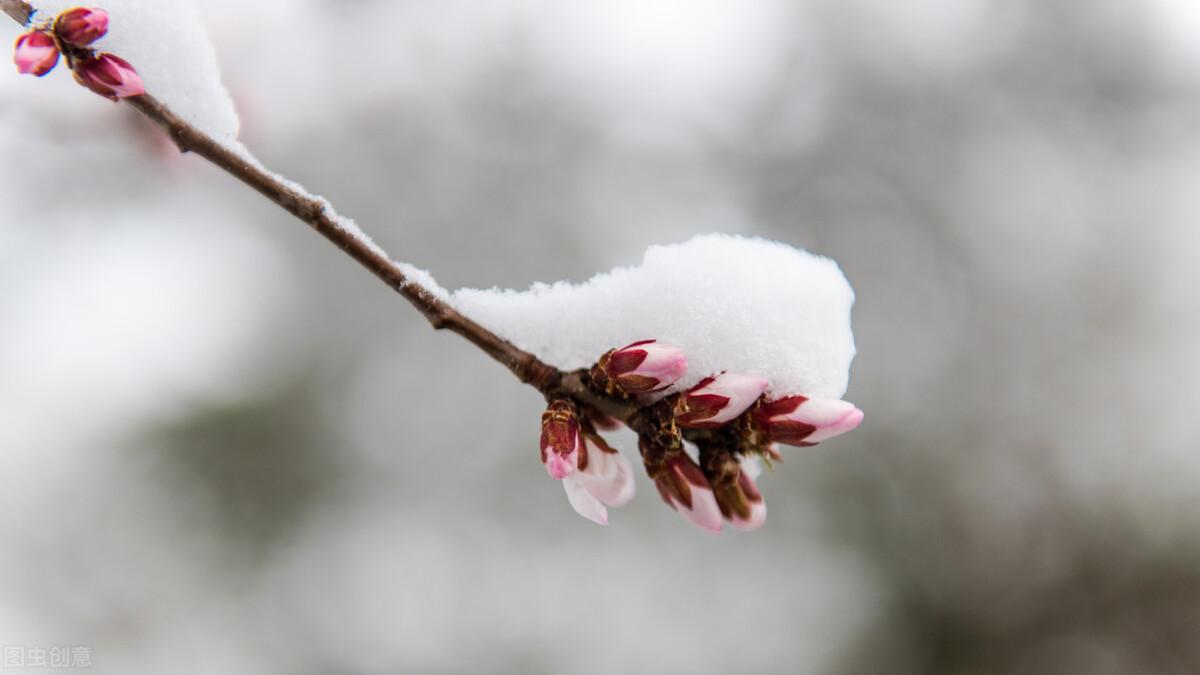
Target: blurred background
225, 448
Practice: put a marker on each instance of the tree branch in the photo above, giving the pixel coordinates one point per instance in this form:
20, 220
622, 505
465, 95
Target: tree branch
18, 10
550, 381
316, 213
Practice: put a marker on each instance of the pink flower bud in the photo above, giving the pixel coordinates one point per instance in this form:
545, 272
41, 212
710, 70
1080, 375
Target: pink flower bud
35, 54
561, 441
81, 26
683, 487
754, 500
110, 76
717, 400
803, 421
643, 367
606, 480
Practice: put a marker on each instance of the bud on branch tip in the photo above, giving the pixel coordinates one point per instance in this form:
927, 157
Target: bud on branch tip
803, 421
81, 26
35, 54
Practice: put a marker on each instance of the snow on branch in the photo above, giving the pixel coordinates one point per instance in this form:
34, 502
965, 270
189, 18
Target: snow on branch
167, 43
731, 303
714, 351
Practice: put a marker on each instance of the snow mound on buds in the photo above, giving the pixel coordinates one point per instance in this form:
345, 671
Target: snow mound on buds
166, 43
744, 305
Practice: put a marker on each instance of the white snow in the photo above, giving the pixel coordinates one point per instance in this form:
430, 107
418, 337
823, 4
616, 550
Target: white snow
166, 42
746, 305
423, 278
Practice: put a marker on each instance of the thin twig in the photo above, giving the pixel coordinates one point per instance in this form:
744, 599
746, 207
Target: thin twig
18, 10
316, 213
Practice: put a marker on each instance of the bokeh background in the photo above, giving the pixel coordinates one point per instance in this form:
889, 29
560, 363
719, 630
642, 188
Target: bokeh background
224, 448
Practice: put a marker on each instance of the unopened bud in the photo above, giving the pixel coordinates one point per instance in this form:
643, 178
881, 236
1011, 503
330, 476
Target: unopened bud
683, 487
717, 400
803, 421
110, 76
81, 26
733, 486
643, 367
561, 443
752, 511
35, 54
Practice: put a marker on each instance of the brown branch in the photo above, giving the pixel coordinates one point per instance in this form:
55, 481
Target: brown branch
525, 366
18, 10
317, 214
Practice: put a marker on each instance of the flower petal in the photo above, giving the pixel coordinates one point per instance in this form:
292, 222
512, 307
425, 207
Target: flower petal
612, 483
584, 503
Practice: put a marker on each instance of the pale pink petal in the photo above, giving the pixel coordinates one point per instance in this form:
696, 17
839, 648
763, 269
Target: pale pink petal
612, 481
821, 412
847, 422
584, 503
758, 516
559, 467
704, 513
664, 362
741, 390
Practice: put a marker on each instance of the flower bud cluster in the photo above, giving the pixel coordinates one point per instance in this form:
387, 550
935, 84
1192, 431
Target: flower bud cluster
71, 34
727, 416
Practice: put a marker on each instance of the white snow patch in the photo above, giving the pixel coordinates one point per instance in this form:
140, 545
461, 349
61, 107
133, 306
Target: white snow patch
746, 305
423, 278
345, 224
166, 42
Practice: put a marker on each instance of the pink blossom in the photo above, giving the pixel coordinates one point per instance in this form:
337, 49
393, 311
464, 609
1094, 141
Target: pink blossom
82, 26
683, 487
561, 440
803, 421
110, 76
717, 400
35, 54
605, 480
644, 366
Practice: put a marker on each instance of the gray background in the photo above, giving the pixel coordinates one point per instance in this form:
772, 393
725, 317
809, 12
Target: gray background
227, 449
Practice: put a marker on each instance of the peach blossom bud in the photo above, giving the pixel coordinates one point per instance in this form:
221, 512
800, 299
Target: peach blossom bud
561, 441
754, 502
81, 26
643, 367
35, 54
110, 76
683, 487
803, 421
717, 400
